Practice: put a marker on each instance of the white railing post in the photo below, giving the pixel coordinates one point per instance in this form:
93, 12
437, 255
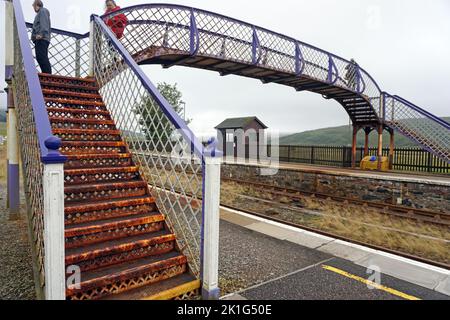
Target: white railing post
13, 183
53, 186
91, 49
211, 203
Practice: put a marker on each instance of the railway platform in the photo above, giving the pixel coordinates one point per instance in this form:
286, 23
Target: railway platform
287, 263
398, 176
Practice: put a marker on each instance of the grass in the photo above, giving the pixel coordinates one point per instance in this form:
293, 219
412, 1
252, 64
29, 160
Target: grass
2, 128
357, 223
2, 163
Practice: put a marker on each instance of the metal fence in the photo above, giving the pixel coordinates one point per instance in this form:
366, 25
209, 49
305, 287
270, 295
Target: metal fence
405, 159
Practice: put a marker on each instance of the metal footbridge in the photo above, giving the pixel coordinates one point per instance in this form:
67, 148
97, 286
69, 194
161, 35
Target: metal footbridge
95, 134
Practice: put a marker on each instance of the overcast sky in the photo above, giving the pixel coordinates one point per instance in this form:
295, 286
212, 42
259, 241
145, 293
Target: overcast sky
403, 44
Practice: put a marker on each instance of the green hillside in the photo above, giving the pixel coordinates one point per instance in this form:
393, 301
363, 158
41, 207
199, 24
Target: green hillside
341, 136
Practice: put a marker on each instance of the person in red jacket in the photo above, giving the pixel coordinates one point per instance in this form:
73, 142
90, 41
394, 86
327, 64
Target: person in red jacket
116, 23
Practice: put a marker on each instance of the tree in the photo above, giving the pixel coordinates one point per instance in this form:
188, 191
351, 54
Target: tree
155, 125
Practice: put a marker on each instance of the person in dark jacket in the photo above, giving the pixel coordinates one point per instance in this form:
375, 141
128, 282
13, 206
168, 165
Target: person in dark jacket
117, 23
41, 36
351, 74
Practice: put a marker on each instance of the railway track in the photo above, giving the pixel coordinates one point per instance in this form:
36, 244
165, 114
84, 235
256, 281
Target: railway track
318, 231
438, 218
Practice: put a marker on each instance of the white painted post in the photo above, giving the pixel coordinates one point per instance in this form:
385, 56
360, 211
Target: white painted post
210, 286
13, 159
9, 32
91, 49
55, 288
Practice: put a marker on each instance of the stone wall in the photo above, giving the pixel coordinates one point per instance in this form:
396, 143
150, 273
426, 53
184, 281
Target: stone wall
413, 194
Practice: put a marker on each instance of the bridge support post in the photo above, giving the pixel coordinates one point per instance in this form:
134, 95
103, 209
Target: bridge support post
13, 182
380, 145
391, 149
354, 142
53, 193
366, 141
211, 216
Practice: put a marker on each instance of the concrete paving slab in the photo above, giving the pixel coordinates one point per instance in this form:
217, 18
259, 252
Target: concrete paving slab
411, 272
272, 230
236, 219
305, 239
343, 250
444, 286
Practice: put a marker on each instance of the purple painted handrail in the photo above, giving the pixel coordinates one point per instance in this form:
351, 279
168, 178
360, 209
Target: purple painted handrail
166, 108
257, 28
75, 35
424, 112
48, 143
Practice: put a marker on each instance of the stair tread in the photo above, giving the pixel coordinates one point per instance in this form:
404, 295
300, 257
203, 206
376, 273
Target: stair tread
87, 86
75, 102
90, 143
117, 270
71, 94
46, 75
101, 155
101, 170
79, 111
82, 121
114, 244
156, 288
105, 186
86, 131
116, 202
94, 226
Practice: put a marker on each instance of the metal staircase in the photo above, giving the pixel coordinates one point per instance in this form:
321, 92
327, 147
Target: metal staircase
128, 191
114, 231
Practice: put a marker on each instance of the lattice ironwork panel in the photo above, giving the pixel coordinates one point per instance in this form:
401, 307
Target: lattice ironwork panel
31, 156
163, 156
68, 55
418, 126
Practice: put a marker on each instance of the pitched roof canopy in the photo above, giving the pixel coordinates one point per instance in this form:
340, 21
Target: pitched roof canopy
239, 123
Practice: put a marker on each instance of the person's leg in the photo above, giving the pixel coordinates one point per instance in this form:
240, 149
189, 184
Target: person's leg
41, 47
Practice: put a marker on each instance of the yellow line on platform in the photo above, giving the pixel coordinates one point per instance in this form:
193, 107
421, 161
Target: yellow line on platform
370, 283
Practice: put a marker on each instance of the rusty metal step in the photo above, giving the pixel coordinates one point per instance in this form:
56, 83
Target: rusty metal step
182, 286
78, 213
67, 86
126, 276
74, 104
96, 175
76, 161
88, 135
76, 95
81, 113
96, 147
89, 233
105, 191
89, 124
126, 249
64, 79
